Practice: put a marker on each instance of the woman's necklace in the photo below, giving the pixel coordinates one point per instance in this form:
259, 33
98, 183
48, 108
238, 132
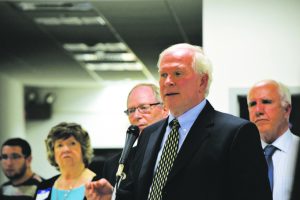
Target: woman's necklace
71, 187
67, 192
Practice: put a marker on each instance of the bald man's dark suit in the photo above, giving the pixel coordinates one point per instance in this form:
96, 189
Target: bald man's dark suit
221, 158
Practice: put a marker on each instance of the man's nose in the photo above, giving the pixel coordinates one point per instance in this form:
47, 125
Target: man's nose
137, 114
169, 81
9, 161
259, 109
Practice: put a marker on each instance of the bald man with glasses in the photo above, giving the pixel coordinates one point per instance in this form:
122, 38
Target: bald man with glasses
144, 107
16, 165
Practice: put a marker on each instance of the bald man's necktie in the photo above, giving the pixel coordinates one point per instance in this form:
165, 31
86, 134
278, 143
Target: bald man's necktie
269, 151
166, 162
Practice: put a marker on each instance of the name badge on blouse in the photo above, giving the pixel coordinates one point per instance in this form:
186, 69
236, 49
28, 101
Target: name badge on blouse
43, 194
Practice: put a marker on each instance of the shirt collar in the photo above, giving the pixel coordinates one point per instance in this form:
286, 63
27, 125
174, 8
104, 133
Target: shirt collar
187, 119
283, 142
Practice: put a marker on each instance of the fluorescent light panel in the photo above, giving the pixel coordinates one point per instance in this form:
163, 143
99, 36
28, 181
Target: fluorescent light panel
73, 21
55, 5
114, 66
118, 46
102, 56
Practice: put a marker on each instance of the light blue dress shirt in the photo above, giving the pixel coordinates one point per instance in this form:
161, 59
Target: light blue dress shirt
186, 120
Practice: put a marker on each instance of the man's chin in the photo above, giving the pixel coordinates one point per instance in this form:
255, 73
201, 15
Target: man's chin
263, 128
141, 127
13, 176
10, 176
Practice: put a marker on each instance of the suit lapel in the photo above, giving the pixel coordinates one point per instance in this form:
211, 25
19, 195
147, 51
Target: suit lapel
197, 134
152, 149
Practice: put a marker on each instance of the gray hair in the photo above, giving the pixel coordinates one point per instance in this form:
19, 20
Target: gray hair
283, 92
155, 90
201, 64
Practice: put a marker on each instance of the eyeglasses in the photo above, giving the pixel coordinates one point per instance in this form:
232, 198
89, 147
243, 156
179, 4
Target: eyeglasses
13, 156
144, 108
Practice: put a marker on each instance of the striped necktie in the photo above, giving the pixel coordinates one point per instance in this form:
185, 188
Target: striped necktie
165, 164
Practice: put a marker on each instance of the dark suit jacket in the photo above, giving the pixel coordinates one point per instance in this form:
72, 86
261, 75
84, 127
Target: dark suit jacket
221, 158
295, 195
111, 166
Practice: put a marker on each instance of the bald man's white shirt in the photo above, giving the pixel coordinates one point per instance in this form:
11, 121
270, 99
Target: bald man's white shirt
284, 162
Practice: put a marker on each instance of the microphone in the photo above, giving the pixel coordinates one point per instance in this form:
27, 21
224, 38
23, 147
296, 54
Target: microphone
131, 136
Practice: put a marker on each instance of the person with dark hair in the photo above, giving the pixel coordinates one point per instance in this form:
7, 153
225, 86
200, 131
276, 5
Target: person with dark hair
16, 164
270, 105
197, 152
144, 107
69, 151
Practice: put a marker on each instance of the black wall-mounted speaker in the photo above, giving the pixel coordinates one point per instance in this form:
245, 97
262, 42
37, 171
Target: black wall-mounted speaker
36, 111
37, 106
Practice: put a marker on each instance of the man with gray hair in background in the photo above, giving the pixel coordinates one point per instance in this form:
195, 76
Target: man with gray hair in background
144, 107
269, 105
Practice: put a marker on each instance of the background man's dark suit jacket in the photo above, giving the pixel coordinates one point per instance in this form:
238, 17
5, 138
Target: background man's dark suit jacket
221, 158
111, 166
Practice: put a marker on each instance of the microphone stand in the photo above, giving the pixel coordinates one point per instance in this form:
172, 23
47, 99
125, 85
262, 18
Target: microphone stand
131, 136
120, 175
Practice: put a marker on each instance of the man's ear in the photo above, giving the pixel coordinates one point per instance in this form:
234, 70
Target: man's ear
288, 109
28, 160
204, 81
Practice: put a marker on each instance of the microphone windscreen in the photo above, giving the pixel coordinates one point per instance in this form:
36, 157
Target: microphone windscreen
131, 136
133, 130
